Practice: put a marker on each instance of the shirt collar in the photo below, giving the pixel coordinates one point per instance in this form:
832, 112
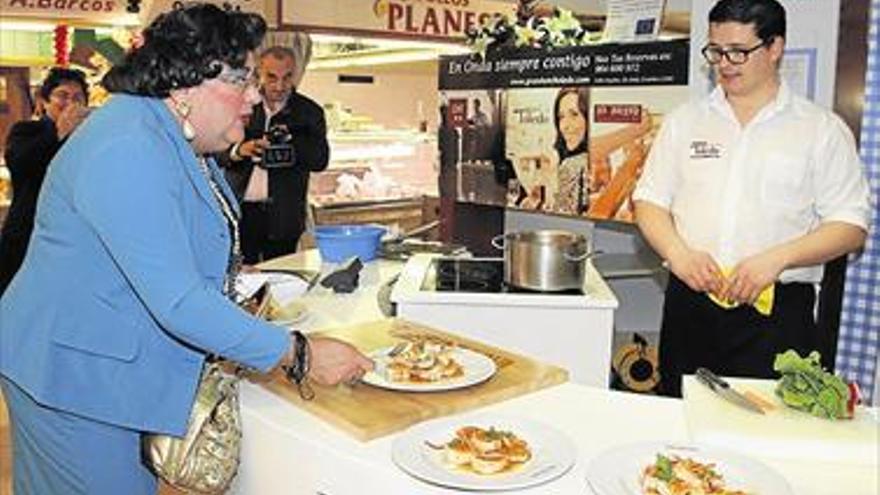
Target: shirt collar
718, 102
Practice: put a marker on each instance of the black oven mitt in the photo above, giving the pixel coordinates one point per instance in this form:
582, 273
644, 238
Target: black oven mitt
345, 278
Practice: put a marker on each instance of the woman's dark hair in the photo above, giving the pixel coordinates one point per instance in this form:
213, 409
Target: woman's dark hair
768, 16
60, 75
583, 102
184, 47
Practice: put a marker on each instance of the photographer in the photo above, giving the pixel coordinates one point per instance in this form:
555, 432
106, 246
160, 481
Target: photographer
285, 140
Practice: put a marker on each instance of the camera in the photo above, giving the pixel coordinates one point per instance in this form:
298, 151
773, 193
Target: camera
279, 153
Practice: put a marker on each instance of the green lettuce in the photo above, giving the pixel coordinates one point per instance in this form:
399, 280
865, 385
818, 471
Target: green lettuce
806, 386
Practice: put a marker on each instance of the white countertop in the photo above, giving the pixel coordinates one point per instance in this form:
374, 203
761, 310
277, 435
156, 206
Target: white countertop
287, 450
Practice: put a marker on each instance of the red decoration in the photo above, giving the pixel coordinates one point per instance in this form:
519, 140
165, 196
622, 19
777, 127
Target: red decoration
62, 48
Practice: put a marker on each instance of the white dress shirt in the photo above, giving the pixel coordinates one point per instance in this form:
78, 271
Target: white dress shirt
735, 191
258, 185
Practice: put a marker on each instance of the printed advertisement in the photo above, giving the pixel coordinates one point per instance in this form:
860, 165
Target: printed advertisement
573, 150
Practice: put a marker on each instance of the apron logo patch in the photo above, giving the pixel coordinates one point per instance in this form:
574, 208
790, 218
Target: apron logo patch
705, 149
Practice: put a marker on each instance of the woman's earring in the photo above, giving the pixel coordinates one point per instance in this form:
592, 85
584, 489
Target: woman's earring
183, 109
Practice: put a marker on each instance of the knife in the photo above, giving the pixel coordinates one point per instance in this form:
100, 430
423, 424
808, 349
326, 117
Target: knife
723, 389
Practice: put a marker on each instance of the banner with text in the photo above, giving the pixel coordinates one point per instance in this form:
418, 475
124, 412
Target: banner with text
639, 64
87, 11
421, 19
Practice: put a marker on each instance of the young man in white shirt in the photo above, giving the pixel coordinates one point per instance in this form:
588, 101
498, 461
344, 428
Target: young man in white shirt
750, 188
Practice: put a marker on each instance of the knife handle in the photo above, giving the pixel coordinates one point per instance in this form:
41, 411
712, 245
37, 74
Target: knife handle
710, 379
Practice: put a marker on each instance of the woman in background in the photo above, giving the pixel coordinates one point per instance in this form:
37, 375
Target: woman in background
127, 283
570, 114
30, 146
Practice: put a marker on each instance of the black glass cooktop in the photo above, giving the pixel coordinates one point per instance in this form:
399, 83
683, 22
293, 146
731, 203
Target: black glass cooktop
483, 275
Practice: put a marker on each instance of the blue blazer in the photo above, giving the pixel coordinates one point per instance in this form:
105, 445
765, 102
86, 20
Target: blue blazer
119, 298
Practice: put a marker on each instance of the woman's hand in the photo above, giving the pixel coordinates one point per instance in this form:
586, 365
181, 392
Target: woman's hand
334, 361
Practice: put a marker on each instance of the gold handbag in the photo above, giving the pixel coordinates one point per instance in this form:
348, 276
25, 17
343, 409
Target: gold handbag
206, 459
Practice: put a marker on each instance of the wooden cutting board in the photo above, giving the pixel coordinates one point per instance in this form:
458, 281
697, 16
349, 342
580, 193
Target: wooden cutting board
366, 412
782, 433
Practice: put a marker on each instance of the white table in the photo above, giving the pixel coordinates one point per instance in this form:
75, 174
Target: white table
288, 451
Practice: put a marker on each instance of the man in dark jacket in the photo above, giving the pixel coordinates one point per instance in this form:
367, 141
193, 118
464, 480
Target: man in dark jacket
30, 146
273, 194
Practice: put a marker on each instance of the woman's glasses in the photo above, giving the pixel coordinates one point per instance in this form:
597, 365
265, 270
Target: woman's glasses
736, 56
242, 78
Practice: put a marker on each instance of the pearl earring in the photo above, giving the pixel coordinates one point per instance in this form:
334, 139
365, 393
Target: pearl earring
183, 109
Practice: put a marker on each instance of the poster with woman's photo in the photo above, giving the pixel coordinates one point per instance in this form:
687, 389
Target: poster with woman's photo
547, 145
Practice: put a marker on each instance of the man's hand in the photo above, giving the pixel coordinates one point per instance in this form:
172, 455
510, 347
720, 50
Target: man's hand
752, 275
252, 149
697, 269
334, 361
70, 118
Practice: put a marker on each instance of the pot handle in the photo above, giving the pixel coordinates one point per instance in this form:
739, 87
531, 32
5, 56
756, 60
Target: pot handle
498, 241
581, 257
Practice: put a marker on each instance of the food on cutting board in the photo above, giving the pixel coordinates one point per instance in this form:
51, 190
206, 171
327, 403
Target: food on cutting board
674, 475
422, 361
807, 387
484, 451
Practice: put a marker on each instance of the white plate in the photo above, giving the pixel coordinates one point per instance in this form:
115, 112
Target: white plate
477, 369
617, 471
292, 314
553, 454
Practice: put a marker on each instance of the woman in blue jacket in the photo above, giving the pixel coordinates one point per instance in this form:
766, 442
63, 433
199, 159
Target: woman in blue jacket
125, 288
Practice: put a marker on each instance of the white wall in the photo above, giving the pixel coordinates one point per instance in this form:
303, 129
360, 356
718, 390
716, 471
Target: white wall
391, 100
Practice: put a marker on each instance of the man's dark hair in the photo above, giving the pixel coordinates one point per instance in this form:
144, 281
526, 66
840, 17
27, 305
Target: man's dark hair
59, 75
184, 47
768, 16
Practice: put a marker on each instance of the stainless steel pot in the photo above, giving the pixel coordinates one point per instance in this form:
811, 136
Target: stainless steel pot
544, 260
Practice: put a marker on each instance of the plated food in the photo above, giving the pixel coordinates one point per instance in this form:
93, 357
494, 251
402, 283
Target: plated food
484, 451
422, 361
428, 365
676, 475
656, 468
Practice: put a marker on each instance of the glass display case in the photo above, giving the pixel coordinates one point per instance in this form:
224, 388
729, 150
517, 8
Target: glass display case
378, 176
376, 166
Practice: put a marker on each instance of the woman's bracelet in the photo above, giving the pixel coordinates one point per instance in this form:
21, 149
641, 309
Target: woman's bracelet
299, 368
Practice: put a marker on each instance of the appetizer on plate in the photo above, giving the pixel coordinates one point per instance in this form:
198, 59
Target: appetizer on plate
483, 451
422, 362
674, 475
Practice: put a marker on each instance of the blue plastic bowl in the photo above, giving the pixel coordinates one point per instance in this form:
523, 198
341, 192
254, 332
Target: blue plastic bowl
339, 242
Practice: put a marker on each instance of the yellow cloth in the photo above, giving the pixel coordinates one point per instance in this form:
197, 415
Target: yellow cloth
764, 302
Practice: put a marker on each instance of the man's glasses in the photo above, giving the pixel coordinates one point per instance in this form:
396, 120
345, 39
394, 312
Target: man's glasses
65, 96
242, 78
736, 56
